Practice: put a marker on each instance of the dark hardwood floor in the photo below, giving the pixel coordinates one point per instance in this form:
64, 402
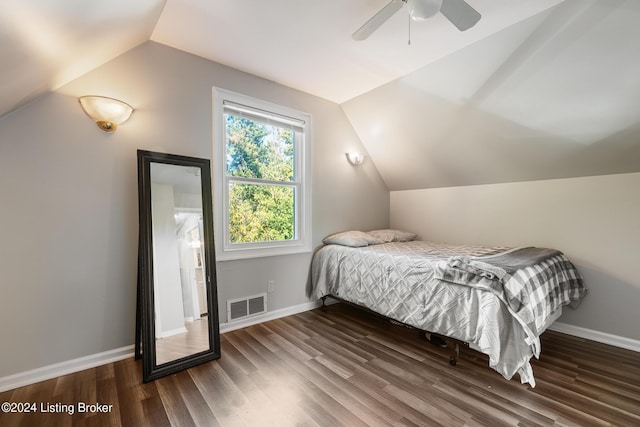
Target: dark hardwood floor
346, 367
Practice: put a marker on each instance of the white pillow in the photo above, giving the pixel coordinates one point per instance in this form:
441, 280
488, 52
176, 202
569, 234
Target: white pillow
354, 239
389, 235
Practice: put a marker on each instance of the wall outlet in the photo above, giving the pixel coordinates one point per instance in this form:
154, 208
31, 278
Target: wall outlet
271, 285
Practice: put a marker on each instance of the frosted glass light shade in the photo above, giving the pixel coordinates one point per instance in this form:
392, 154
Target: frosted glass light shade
108, 113
419, 10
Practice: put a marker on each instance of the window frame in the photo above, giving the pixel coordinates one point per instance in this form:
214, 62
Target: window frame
225, 250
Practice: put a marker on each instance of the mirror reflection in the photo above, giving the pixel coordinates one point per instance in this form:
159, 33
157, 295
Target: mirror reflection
179, 274
177, 317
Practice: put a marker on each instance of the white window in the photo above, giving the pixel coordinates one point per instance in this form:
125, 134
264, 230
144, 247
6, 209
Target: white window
262, 181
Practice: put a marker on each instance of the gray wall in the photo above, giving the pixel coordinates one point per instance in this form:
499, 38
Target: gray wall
594, 220
68, 235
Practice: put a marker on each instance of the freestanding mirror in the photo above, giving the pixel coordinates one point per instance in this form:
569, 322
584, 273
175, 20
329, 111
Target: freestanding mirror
177, 301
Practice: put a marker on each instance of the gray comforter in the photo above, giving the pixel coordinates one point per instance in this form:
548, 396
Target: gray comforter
464, 292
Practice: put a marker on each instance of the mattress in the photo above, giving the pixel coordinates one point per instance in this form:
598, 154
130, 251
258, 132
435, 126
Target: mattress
403, 281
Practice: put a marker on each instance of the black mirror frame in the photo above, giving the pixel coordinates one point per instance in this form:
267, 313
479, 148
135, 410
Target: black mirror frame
145, 322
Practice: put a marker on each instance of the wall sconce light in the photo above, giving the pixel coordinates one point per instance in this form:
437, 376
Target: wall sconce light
108, 113
355, 158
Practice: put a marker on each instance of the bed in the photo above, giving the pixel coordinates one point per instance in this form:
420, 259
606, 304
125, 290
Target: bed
498, 300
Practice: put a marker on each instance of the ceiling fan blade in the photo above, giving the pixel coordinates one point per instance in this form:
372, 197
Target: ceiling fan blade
378, 19
460, 14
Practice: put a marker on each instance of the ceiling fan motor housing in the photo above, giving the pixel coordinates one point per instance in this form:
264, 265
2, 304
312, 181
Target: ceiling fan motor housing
419, 10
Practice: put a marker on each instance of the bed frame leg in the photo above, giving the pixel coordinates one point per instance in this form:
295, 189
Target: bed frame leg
323, 307
456, 352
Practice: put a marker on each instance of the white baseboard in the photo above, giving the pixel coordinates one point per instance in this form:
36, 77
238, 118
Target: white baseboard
52, 371
602, 337
33, 376
270, 315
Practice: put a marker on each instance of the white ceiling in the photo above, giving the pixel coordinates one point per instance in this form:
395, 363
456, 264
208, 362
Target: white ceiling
307, 44
303, 44
538, 89
556, 96
47, 43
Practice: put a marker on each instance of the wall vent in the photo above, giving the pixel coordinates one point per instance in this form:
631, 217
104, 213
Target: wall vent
241, 308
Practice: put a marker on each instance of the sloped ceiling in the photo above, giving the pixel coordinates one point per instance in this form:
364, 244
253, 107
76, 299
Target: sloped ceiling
47, 43
537, 89
307, 45
555, 96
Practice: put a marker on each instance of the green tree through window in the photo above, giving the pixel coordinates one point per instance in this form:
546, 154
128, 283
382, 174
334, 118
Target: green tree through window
260, 166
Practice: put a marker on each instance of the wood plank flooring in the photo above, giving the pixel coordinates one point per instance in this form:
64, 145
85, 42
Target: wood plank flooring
346, 367
195, 340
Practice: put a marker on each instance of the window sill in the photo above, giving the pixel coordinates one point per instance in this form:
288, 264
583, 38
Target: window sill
245, 253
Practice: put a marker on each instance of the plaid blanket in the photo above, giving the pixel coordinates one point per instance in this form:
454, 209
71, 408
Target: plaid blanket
532, 282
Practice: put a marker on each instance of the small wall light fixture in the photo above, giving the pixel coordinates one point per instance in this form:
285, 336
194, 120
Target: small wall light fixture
108, 113
355, 158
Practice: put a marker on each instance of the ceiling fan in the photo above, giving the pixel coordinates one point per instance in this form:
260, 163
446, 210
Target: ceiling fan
458, 12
